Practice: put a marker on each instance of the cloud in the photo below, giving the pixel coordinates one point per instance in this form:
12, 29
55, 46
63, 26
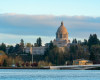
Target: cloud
47, 25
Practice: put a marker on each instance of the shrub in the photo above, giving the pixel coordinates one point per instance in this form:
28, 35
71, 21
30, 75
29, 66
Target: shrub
17, 64
23, 64
34, 64
5, 63
27, 64
94, 62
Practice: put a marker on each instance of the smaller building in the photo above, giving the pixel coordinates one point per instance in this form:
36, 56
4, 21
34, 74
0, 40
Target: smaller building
82, 62
35, 50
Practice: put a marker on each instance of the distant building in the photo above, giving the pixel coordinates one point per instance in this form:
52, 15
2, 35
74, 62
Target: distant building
61, 37
35, 50
82, 62
7, 49
61, 41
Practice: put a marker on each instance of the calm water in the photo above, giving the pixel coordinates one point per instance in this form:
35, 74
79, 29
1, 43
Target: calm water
31, 74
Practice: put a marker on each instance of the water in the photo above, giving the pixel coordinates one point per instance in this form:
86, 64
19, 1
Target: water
38, 74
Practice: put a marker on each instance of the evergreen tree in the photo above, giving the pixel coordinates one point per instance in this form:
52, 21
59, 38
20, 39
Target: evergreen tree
85, 42
37, 41
3, 47
22, 43
74, 40
40, 42
92, 56
11, 49
21, 46
79, 41
5, 63
51, 46
17, 47
93, 40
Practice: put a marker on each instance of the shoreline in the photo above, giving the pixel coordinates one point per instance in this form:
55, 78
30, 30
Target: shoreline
24, 67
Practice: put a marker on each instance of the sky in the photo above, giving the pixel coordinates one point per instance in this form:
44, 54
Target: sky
30, 19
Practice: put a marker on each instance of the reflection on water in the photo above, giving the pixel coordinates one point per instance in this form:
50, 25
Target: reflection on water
37, 74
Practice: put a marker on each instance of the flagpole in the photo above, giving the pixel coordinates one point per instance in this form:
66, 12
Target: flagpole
32, 56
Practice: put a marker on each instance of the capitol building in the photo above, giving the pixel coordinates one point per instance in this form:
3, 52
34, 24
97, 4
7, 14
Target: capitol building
61, 41
61, 36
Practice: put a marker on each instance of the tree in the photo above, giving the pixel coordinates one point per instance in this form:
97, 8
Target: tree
5, 63
27, 64
32, 45
11, 49
92, 56
17, 64
93, 40
74, 40
18, 59
10, 61
28, 45
34, 64
39, 42
3, 47
85, 41
35, 44
51, 46
17, 48
23, 64
79, 41
21, 46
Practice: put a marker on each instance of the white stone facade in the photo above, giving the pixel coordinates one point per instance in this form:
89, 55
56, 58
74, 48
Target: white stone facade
61, 37
35, 50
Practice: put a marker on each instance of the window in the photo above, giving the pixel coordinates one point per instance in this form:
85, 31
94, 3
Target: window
64, 35
80, 62
60, 35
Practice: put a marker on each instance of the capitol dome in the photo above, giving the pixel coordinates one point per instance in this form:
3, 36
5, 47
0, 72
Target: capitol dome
62, 33
62, 29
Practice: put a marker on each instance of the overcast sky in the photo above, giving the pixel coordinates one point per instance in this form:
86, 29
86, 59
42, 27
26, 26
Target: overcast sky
30, 19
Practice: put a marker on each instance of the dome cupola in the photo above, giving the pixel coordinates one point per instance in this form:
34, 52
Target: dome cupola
62, 29
61, 33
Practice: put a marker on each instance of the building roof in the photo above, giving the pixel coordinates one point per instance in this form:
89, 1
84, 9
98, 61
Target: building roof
62, 29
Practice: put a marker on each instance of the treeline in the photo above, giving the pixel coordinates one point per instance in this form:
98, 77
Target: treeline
89, 49
19, 48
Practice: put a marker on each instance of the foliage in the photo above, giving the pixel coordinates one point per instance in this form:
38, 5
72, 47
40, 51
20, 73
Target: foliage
34, 64
23, 64
28, 45
92, 56
10, 60
11, 49
18, 59
52, 55
93, 40
39, 42
3, 56
5, 63
3, 47
74, 40
17, 64
44, 63
21, 46
27, 64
